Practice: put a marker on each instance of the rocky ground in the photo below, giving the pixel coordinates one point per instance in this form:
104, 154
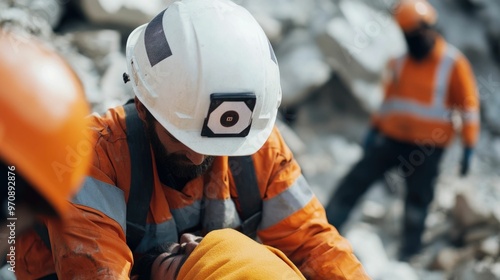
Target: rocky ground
331, 55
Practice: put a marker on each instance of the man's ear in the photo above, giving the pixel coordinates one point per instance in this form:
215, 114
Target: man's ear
141, 109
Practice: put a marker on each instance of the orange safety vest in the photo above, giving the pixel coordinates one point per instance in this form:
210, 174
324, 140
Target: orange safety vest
92, 243
421, 96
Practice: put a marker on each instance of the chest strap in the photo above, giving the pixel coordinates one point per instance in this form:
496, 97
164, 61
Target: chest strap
141, 187
141, 182
249, 197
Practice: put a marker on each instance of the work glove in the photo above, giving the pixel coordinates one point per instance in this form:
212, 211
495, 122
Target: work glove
370, 138
465, 163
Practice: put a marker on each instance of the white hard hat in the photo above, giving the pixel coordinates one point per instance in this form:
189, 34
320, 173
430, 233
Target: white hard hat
207, 72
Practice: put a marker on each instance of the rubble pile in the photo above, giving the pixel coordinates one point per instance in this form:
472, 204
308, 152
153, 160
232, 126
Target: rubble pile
332, 55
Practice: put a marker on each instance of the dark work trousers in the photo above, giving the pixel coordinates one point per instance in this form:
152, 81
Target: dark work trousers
418, 165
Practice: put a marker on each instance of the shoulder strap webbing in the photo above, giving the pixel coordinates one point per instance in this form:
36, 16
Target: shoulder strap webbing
141, 186
249, 197
43, 233
49, 277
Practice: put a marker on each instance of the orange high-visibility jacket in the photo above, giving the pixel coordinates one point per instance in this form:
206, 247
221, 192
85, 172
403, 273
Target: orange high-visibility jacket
92, 243
421, 96
226, 254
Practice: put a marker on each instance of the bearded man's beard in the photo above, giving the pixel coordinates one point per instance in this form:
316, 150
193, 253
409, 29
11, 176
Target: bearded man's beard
178, 166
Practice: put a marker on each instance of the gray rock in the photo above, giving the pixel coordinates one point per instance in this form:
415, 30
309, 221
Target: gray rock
490, 246
122, 13
358, 45
22, 19
302, 67
48, 11
369, 249
449, 258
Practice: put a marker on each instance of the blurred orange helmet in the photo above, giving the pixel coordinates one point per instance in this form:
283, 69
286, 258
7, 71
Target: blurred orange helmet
42, 118
410, 14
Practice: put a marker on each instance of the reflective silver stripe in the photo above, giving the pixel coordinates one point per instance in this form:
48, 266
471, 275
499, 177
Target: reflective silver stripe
399, 65
437, 110
104, 197
157, 234
408, 106
470, 116
220, 214
286, 203
443, 75
187, 217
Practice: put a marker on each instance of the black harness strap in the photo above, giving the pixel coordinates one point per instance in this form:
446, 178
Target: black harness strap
141, 186
49, 277
249, 198
43, 233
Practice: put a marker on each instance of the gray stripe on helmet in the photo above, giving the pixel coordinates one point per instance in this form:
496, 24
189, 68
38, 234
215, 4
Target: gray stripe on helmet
155, 41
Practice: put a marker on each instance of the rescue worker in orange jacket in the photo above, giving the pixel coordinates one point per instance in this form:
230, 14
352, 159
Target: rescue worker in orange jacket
207, 87
42, 132
414, 125
221, 254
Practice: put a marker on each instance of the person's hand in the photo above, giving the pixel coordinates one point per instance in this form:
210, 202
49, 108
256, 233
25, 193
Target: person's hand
465, 163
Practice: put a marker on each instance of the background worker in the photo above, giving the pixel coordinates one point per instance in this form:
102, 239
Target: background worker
414, 125
42, 132
221, 254
207, 87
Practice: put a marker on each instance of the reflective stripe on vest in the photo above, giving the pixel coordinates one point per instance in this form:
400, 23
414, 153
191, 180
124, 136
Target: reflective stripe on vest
470, 116
156, 234
220, 213
104, 197
437, 110
188, 216
286, 203
183, 219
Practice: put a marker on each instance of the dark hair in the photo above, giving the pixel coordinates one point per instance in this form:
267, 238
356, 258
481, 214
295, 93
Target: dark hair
143, 264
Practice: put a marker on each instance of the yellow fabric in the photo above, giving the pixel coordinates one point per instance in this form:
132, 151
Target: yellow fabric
227, 254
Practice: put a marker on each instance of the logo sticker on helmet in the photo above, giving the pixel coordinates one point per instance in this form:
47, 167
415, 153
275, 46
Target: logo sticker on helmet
229, 115
229, 118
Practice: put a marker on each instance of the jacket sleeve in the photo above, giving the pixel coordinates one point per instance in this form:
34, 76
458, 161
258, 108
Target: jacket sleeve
294, 220
91, 246
92, 243
463, 95
86, 244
